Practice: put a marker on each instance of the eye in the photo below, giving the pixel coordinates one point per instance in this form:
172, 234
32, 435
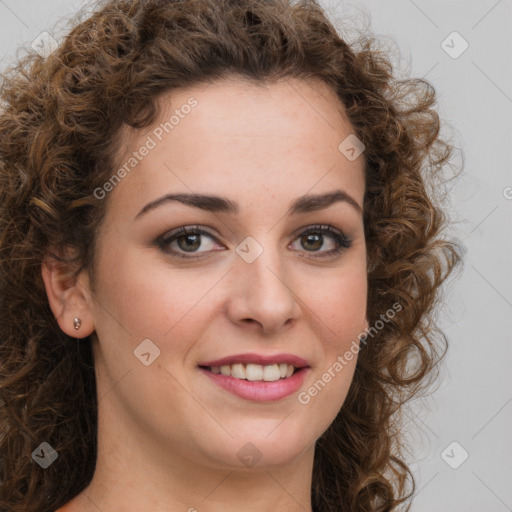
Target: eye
187, 240
324, 240
194, 242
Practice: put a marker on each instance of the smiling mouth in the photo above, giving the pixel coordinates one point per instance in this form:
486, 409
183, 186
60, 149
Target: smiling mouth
254, 372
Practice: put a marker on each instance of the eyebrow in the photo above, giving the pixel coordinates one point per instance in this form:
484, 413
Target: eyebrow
304, 204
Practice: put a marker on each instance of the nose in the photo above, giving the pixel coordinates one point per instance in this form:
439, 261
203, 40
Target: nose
262, 295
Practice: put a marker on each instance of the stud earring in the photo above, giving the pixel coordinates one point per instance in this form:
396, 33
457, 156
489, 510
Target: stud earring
77, 322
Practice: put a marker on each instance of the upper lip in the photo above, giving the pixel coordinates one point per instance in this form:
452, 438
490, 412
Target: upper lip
263, 360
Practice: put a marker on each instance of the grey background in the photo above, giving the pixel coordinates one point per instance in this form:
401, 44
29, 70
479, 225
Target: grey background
472, 405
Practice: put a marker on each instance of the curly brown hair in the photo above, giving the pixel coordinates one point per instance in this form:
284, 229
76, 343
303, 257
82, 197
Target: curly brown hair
59, 134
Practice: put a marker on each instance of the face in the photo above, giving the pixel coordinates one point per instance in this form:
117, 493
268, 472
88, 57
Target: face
232, 249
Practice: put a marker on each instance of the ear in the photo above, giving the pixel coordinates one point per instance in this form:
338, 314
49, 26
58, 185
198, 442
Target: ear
69, 297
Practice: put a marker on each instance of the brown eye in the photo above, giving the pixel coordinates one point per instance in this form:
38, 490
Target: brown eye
312, 242
189, 243
324, 240
188, 240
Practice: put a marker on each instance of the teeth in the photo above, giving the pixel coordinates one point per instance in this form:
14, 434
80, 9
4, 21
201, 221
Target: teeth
271, 373
238, 371
256, 372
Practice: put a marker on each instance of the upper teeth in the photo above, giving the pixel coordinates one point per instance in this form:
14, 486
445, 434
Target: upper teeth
256, 371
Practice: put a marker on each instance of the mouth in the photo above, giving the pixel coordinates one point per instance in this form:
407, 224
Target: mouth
256, 377
254, 372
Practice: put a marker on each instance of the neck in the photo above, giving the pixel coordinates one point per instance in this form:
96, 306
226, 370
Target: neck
134, 472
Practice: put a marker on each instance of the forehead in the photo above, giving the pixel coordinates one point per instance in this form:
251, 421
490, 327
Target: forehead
239, 105
237, 133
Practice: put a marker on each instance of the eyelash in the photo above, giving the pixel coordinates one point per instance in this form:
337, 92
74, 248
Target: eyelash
341, 240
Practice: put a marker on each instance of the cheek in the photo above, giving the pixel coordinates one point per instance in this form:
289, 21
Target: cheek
339, 303
340, 311
150, 300
338, 307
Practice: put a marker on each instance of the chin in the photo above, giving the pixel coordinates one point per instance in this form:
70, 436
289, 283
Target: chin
259, 448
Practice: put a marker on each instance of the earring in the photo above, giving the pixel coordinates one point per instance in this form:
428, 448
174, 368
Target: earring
77, 322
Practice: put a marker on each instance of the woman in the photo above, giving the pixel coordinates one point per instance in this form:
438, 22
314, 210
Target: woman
221, 254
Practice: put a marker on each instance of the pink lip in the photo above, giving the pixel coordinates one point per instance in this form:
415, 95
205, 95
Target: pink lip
298, 362
258, 391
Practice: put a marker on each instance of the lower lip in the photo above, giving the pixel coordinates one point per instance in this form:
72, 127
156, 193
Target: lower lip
259, 391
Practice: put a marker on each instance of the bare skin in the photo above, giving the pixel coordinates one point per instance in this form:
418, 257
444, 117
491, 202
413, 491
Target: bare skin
169, 438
